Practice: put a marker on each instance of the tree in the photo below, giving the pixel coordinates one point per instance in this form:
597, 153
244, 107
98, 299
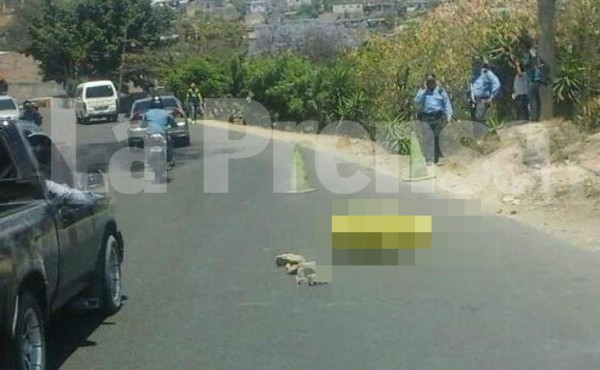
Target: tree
220, 37
308, 11
547, 45
77, 39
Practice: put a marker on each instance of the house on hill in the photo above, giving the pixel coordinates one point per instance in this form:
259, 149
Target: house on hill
347, 8
297, 3
257, 7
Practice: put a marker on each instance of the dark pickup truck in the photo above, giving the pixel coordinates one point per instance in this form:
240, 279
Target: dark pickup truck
59, 244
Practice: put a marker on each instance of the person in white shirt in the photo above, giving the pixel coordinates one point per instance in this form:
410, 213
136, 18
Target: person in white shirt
521, 93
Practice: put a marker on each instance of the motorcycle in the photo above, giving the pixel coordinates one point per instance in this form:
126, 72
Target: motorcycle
35, 117
32, 114
156, 155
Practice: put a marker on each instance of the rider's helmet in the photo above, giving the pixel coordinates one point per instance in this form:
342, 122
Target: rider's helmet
28, 105
156, 103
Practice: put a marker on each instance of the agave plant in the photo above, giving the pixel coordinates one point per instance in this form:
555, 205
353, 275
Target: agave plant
568, 80
394, 133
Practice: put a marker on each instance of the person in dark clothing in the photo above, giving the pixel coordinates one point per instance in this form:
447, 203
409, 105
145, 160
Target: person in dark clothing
31, 113
537, 73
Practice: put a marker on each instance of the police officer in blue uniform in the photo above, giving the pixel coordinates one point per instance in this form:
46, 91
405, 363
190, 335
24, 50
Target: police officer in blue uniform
436, 110
483, 90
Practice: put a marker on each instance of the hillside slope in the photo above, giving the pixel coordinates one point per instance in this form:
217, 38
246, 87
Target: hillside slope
24, 78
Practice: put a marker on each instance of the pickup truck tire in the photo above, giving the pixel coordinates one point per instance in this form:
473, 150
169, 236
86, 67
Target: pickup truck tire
109, 275
29, 342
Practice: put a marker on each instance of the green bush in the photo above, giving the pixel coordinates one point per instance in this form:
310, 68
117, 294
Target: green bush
282, 83
212, 78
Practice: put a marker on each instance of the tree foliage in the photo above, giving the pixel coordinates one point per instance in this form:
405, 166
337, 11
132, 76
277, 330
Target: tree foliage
77, 39
211, 77
374, 84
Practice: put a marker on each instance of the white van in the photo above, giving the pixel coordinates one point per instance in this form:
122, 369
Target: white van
96, 99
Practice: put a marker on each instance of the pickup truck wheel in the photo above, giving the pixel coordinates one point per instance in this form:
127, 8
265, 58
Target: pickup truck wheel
110, 276
29, 342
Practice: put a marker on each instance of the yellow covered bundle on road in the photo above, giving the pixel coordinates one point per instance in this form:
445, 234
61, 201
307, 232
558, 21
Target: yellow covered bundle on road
378, 239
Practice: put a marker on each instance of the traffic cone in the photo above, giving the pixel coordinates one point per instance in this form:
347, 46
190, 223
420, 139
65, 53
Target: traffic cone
418, 168
300, 183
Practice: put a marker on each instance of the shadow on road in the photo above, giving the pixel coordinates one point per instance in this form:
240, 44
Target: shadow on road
69, 331
97, 156
188, 154
97, 121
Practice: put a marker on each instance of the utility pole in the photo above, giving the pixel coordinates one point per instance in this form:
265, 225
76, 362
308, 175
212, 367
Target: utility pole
547, 46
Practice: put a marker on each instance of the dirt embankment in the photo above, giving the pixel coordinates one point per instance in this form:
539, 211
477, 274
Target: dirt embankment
542, 174
24, 79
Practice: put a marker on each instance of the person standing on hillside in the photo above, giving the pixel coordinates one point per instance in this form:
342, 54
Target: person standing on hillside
435, 109
537, 74
483, 90
521, 93
194, 100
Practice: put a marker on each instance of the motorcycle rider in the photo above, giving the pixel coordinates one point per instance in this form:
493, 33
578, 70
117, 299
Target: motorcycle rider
158, 120
31, 113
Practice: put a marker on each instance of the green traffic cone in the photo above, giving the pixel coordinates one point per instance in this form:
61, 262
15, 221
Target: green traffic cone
418, 168
300, 182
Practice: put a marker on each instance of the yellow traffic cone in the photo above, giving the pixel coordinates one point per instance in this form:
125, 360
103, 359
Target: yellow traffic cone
300, 183
418, 168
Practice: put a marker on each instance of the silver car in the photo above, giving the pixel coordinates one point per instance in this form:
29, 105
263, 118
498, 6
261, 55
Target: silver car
136, 133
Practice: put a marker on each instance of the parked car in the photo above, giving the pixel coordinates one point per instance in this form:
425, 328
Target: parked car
54, 249
96, 99
9, 108
136, 133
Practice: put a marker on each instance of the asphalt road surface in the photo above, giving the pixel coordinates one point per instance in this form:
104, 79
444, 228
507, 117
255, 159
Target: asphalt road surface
203, 291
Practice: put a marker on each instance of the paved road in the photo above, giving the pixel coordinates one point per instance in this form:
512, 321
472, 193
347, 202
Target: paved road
203, 292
